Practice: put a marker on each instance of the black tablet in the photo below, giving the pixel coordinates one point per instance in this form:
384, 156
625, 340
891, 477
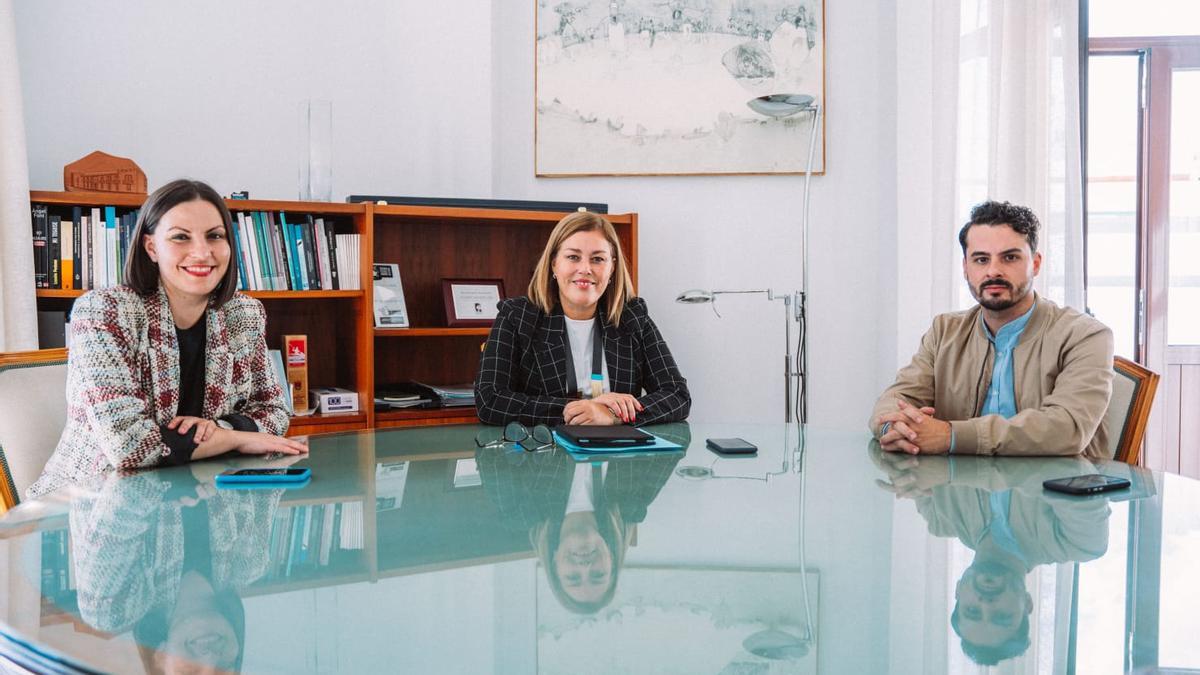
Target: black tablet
620, 436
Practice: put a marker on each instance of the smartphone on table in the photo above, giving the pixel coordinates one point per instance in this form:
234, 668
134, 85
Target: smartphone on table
289, 475
1086, 484
731, 446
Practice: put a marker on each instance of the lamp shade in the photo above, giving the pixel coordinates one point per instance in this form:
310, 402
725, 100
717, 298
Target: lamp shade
695, 296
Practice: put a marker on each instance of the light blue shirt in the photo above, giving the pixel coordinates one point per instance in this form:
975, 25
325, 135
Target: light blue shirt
1001, 395
1001, 398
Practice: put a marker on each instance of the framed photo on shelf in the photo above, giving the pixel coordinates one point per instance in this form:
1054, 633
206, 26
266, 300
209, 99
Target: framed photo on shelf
472, 302
390, 309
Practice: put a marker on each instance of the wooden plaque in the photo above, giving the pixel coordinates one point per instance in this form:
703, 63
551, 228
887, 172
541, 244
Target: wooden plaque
102, 172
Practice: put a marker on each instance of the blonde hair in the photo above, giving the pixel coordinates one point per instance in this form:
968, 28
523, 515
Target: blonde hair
543, 289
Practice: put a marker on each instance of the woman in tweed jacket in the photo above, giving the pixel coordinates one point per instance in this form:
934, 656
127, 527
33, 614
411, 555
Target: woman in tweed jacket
537, 362
172, 366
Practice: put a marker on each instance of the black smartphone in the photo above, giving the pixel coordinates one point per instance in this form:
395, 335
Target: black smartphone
731, 446
1086, 484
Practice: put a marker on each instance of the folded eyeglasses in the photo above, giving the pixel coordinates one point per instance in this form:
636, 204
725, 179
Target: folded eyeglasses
535, 440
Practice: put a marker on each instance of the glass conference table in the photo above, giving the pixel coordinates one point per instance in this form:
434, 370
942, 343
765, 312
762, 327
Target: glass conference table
415, 551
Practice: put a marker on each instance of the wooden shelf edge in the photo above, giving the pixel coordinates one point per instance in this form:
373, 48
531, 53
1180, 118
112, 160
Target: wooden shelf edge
431, 332
317, 419
86, 198
261, 295
135, 200
302, 295
485, 214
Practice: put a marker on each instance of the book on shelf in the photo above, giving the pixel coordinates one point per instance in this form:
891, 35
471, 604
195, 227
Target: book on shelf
347, 256
40, 256
54, 252
278, 252
389, 306
78, 248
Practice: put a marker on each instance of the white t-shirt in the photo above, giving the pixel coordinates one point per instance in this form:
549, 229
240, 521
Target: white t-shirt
581, 497
579, 336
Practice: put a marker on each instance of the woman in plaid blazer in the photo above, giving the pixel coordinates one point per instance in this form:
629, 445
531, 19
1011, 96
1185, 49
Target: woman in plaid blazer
529, 371
172, 365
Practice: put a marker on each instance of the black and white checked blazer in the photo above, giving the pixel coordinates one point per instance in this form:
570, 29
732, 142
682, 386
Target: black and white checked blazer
523, 370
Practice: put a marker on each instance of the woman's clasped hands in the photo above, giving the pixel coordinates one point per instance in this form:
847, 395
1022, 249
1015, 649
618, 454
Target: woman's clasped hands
610, 408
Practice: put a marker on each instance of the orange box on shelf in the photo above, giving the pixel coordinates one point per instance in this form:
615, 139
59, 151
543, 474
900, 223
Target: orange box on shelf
296, 349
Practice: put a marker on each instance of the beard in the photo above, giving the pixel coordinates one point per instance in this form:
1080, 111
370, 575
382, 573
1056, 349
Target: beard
1015, 295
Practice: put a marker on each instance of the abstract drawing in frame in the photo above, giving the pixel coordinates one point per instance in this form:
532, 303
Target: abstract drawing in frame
639, 87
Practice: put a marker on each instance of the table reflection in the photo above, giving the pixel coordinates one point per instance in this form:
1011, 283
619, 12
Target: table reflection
580, 514
998, 509
168, 558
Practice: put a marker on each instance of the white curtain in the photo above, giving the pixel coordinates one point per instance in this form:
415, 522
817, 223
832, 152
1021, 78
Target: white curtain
988, 109
18, 305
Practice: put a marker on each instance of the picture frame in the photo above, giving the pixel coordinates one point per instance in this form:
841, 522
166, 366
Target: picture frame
471, 302
680, 88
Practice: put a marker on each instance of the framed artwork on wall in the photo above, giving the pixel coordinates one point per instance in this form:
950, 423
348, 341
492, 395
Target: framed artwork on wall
646, 87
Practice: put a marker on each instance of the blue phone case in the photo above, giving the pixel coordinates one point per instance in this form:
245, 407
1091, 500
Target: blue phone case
241, 476
277, 485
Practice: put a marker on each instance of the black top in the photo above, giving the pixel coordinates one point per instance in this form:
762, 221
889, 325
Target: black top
191, 368
191, 394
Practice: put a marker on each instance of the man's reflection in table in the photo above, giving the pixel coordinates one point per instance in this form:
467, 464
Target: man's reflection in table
165, 554
998, 509
580, 516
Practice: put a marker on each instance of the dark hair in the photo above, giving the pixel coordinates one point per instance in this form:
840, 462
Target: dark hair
141, 273
150, 632
1020, 218
990, 656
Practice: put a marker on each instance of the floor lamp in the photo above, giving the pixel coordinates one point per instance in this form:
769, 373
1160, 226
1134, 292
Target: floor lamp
795, 303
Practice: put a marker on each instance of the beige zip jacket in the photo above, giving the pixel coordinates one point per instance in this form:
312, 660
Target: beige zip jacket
1062, 380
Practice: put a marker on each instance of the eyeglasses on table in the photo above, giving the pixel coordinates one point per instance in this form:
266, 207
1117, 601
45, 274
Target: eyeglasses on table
515, 432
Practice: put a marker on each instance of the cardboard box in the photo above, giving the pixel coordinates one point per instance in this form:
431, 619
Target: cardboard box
296, 364
334, 399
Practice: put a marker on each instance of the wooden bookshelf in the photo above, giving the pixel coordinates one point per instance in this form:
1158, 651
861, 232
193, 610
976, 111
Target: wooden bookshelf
429, 244
431, 332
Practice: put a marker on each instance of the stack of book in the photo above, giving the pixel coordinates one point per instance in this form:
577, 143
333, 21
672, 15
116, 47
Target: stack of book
277, 255
80, 248
397, 400
415, 394
453, 396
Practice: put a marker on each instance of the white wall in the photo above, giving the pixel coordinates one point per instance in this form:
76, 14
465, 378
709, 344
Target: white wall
211, 90
437, 99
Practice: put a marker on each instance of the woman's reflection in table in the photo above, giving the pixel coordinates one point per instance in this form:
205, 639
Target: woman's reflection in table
999, 510
580, 516
166, 554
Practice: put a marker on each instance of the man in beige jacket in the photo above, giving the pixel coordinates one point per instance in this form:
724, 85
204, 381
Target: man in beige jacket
1015, 375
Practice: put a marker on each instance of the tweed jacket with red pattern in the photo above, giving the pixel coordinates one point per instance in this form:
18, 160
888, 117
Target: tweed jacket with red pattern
123, 381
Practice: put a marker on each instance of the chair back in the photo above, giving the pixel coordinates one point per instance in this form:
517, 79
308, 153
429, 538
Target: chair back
1129, 409
33, 413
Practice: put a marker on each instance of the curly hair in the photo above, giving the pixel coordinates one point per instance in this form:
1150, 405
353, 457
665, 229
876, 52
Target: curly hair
1020, 218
